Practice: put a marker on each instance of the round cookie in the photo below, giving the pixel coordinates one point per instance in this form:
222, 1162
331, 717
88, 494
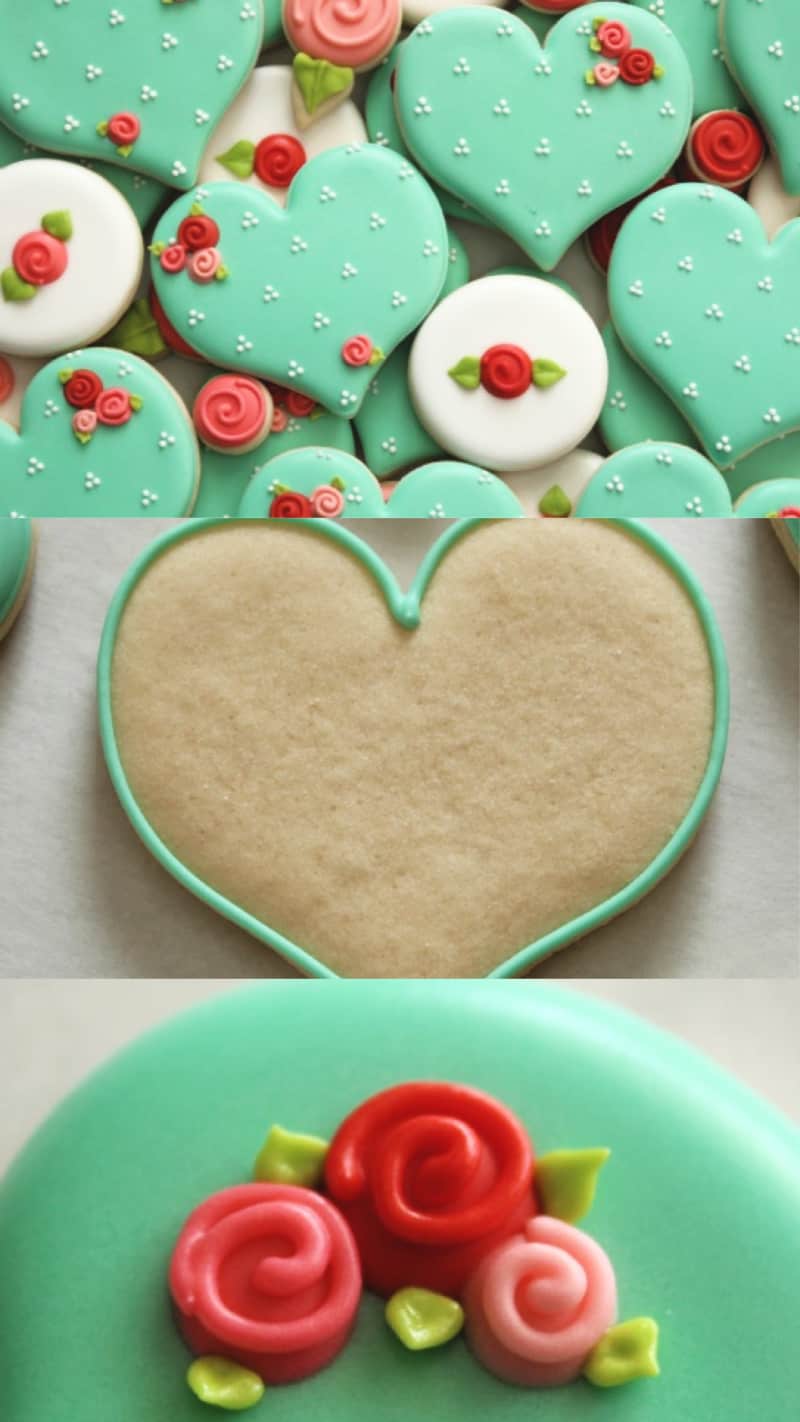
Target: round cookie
101, 435
17, 554
656, 481
553, 490
768, 499
16, 374
315, 295
768, 196
451, 490
761, 43
232, 414
725, 147
509, 372
543, 141
313, 483
70, 256
635, 408
133, 84
356, 36
696, 24
225, 477
259, 142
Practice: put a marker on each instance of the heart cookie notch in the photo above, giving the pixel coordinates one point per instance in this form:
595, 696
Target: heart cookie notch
557, 697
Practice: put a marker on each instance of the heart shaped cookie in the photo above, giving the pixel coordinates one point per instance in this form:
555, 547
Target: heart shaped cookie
696, 24
711, 309
557, 698
761, 43
313, 296
656, 480
225, 477
544, 140
135, 84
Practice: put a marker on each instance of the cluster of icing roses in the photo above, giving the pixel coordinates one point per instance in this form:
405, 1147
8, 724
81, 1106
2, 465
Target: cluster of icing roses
95, 404
39, 258
122, 130
290, 404
326, 501
505, 371
432, 1199
612, 39
275, 159
194, 250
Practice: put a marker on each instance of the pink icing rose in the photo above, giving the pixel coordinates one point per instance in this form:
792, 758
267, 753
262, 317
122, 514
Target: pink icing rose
280, 420
113, 406
204, 265
605, 74
173, 259
84, 422
537, 1306
357, 350
327, 502
614, 38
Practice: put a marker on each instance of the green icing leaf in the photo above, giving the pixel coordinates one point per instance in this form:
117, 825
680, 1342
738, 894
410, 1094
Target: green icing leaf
102, 128
222, 273
555, 504
595, 46
221, 1383
82, 438
126, 150
239, 159
626, 1352
589, 77
659, 71
66, 373
376, 357
318, 81
422, 1319
196, 210
289, 1159
466, 372
136, 402
566, 1181
337, 483
547, 373
14, 288
58, 224
138, 332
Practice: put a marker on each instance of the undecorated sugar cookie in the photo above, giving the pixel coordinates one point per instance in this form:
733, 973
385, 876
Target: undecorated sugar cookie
761, 42
546, 633
334, 42
656, 480
696, 24
711, 310
101, 434
543, 140
770, 199
509, 372
138, 84
17, 553
70, 256
314, 296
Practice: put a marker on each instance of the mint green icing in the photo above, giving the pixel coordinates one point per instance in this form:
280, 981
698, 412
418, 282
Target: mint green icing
302, 471
514, 130
177, 68
536, 20
452, 490
770, 498
144, 468
774, 461
16, 551
361, 249
696, 23
143, 194
635, 408
711, 309
762, 46
655, 480
225, 477
273, 22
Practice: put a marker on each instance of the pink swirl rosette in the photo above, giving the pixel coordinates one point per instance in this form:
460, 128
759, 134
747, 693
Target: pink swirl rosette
327, 501
232, 412
113, 406
267, 1276
204, 265
353, 33
538, 1305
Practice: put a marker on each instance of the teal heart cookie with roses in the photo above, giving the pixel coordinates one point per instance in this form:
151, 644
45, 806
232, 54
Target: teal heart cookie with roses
711, 310
141, 83
543, 140
102, 434
317, 294
761, 43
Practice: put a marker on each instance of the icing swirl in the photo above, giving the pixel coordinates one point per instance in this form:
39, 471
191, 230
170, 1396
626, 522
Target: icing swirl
198, 231
431, 1177
124, 129
506, 371
291, 505
327, 502
82, 389
357, 350
173, 258
537, 1306
637, 66
614, 38
267, 1276
353, 33
204, 265
277, 158
725, 147
113, 406
232, 411
298, 404
39, 258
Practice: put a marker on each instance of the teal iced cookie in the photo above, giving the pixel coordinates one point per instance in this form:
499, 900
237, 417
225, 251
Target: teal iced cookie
139, 84
536, 20
317, 294
696, 24
775, 461
636, 409
656, 481
769, 499
17, 547
273, 23
101, 435
711, 310
452, 490
761, 42
543, 141
143, 194
225, 477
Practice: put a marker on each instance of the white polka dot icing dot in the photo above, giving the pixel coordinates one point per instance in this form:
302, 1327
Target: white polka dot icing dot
655, 481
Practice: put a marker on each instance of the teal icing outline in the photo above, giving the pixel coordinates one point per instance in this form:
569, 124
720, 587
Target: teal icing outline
406, 608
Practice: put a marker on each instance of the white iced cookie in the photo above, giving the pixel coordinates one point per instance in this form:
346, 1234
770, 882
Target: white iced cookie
416, 10
509, 373
71, 256
553, 490
16, 374
768, 196
258, 141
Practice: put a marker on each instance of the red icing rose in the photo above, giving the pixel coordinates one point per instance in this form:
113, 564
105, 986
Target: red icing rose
506, 371
301, 406
357, 350
173, 258
113, 406
431, 1177
291, 505
197, 231
789, 512
725, 147
280, 420
82, 389
278, 158
124, 129
637, 66
39, 258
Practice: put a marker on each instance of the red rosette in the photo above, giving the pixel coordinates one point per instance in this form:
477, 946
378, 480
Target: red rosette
113, 406
291, 505
430, 1177
267, 1276
357, 351
791, 511
82, 389
39, 258
197, 232
725, 147
299, 405
506, 371
124, 129
173, 258
602, 235
637, 66
277, 158
232, 411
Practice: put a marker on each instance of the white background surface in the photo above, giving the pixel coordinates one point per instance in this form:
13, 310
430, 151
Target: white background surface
81, 897
52, 1034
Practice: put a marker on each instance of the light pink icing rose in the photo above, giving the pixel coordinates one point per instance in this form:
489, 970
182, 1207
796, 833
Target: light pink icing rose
84, 422
327, 502
537, 1305
204, 265
605, 74
614, 38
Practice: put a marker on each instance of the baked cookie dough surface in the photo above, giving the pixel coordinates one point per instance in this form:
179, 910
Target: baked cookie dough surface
421, 801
